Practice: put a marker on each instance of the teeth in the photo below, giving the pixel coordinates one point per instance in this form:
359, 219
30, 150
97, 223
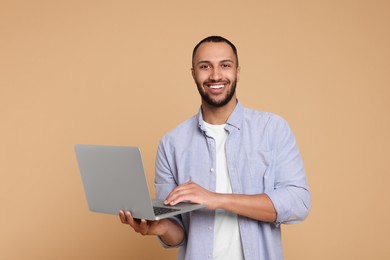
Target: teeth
216, 86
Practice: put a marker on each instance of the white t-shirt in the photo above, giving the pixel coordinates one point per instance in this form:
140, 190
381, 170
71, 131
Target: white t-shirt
227, 239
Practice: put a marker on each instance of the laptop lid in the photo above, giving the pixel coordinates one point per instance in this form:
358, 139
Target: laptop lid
114, 179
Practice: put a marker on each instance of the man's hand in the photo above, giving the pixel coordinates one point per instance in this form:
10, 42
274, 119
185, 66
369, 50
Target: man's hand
194, 193
142, 226
169, 231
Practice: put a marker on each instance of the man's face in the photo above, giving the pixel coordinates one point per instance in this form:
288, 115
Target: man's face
216, 73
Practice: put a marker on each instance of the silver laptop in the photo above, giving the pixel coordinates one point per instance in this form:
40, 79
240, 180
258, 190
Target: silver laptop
114, 179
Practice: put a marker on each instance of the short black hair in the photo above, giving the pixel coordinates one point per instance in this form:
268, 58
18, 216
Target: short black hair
215, 39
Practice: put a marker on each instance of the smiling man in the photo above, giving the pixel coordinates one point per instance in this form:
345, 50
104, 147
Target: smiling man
215, 71
243, 164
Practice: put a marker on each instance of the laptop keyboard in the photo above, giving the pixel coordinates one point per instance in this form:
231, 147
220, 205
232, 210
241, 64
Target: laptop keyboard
163, 210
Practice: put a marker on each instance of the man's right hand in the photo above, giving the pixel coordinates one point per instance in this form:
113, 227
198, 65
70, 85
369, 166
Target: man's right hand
169, 231
144, 227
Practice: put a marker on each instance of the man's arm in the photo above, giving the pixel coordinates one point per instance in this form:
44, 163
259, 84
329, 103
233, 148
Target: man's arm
259, 206
169, 231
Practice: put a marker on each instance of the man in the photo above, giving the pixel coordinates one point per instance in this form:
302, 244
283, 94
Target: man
243, 164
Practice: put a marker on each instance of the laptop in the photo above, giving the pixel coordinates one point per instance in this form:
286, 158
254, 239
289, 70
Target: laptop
114, 179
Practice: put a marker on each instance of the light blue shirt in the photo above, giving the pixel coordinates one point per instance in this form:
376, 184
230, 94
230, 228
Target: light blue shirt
262, 157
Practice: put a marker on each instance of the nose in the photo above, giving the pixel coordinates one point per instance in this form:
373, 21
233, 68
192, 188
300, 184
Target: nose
215, 74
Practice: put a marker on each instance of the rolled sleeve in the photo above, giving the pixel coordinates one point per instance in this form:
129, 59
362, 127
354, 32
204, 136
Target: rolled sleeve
290, 194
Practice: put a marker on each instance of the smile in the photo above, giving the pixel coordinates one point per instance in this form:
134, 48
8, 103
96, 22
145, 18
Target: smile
216, 86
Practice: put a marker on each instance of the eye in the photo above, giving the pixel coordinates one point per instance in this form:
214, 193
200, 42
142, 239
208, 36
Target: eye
204, 66
226, 65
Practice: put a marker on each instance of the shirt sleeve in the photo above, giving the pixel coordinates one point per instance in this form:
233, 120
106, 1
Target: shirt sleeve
290, 194
164, 182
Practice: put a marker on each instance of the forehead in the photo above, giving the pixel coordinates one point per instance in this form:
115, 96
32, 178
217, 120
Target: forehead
214, 52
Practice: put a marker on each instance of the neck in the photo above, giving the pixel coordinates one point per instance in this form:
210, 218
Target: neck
218, 115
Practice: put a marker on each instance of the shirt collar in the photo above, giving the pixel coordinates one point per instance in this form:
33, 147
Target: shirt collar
234, 120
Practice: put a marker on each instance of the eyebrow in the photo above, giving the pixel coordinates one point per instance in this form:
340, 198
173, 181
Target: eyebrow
207, 61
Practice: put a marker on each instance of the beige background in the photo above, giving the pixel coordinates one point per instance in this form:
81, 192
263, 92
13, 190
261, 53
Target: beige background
118, 73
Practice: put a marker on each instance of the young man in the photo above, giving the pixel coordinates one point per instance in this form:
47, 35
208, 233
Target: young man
243, 164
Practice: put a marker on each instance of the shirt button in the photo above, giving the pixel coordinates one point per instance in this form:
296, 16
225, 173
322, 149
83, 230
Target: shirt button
210, 228
212, 170
209, 256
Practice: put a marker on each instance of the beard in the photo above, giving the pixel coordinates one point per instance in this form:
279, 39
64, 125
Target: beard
215, 103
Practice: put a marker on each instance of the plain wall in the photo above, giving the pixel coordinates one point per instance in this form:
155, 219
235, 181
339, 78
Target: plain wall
118, 73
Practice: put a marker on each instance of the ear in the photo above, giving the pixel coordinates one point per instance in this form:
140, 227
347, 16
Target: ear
238, 73
193, 73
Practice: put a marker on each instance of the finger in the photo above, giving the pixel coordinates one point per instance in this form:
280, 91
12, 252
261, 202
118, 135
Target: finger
122, 217
181, 195
143, 227
130, 220
179, 188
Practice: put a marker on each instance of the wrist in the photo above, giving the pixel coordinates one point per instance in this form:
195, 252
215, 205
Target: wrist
164, 224
172, 233
218, 201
